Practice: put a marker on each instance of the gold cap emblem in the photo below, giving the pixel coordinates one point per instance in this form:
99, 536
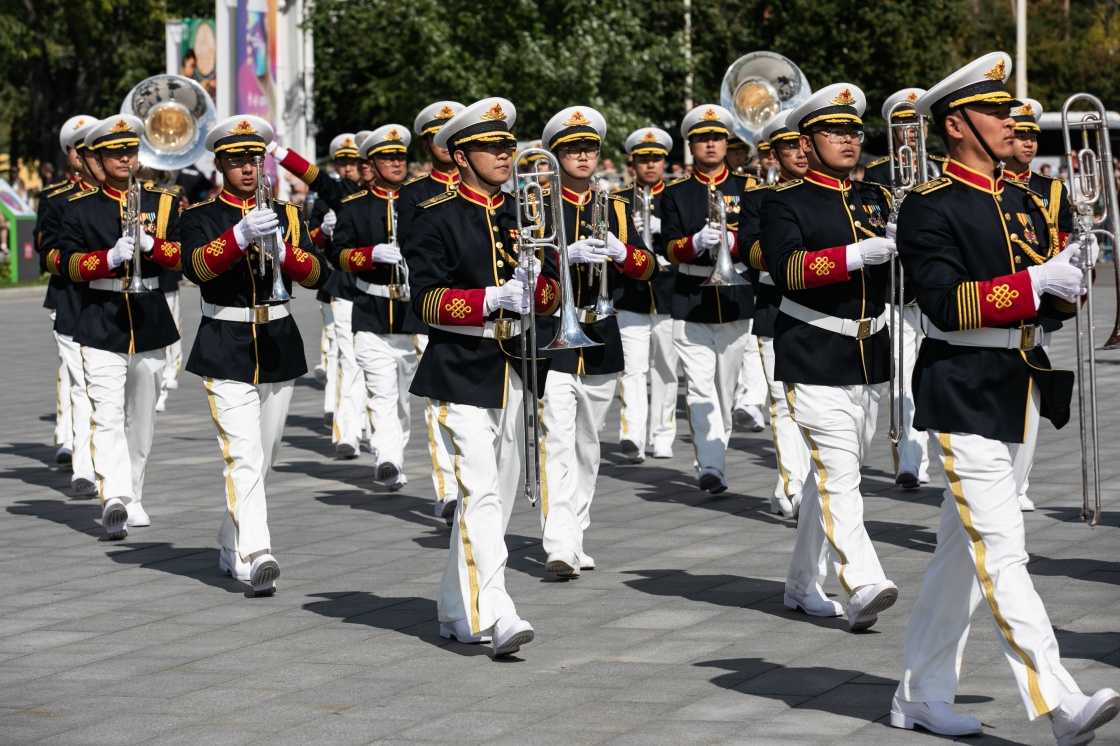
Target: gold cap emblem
577, 119
999, 72
348, 143
494, 114
709, 116
844, 98
79, 124
913, 97
650, 137
393, 134
1026, 110
445, 113
243, 128
120, 126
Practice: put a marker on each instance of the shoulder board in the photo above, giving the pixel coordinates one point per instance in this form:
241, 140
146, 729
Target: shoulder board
1023, 185
200, 204
620, 198
751, 180
86, 193
437, 199
57, 184
878, 161
932, 186
678, 180
415, 179
356, 195
59, 190
285, 204
619, 190
760, 186
159, 190
788, 185
938, 158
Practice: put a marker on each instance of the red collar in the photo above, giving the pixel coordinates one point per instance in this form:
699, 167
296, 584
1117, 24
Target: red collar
827, 181
443, 178
112, 193
82, 185
974, 179
657, 188
1021, 178
235, 201
579, 200
480, 199
383, 193
718, 178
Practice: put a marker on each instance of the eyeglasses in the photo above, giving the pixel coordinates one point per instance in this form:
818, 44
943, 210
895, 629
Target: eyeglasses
496, 149
575, 151
390, 156
238, 161
786, 145
840, 134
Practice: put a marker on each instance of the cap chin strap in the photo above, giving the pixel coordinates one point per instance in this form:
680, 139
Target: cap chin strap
820, 158
483, 179
381, 176
997, 162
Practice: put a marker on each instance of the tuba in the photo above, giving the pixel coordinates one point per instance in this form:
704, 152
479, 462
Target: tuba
177, 113
723, 273
759, 85
134, 227
268, 247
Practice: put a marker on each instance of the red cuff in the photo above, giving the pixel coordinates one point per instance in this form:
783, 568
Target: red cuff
317, 237
733, 247
294, 162
356, 260
681, 250
1006, 299
298, 264
216, 257
454, 307
756, 259
547, 296
167, 254
91, 266
812, 269
638, 264
1063, 240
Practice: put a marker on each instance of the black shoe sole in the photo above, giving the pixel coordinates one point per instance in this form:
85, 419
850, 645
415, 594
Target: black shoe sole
907, 481
712, 484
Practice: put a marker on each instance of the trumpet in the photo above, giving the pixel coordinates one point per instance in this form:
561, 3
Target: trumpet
909, 167
1089, 184
134, 227
643, 211
723, 273
398, 288
536, 236
772, 175
600, 227
268, 248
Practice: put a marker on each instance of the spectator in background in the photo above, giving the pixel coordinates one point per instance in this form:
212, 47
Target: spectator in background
15, 181
1045, 170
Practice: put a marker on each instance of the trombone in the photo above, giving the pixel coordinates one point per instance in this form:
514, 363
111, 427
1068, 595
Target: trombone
911, 170
723, 273
600, 227
1090, 183
535, 235
134, 228
268, 248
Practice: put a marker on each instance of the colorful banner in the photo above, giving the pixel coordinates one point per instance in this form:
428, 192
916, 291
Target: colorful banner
198, 53
256, 58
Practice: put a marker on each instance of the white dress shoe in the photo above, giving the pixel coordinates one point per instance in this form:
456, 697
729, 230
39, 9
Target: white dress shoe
346, 450
82, 487
711, 480
137, 516
460, 631
230, 563
397, 482
866, 603
632, 451
161, 402
387, 473
663, 451
813, 603
64, 455
936, 717
510, 633
563, 564
263, 574
586, 561
1026, 504
171, 384
780, 505
750, 418
1077, 718
445, 509
114, 517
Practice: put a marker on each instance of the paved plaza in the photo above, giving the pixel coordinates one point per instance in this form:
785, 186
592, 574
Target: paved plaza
678, 637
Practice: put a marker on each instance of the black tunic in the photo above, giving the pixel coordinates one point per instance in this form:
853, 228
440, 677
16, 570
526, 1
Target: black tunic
656, 294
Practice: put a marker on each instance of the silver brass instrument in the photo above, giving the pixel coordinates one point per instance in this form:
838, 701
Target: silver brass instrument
643, 211
536, 237
268, 249
759, 85
177, 113
1091, 187
600, 227
723, 273
398, 290
134, 228
773, 174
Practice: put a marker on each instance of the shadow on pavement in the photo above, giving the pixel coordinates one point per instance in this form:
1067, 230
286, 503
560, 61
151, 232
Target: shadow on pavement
83, 516
197, 563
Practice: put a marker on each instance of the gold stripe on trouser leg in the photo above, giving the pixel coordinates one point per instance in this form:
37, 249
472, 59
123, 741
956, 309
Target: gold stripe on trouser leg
985, 578
231, 494
468, 553
441, 487
543, 454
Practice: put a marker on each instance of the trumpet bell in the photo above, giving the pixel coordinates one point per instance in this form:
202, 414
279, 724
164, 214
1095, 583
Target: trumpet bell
177, 113
759, 85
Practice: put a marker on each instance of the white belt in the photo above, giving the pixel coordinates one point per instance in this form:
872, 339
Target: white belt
1024, 338
393, 292
764, 278
663, 261
857, 328
118, 284
256, 315
499, 329
705, 270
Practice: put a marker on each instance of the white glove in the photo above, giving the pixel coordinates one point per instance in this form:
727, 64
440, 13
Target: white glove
615, 249
654, 224
587, 251
510, 296
121, 252
869, 252
329, 222
1060, 275
256, 223
892, 230
147, 243
706, 239
386, 253
1094, 250
276, 150
519, 273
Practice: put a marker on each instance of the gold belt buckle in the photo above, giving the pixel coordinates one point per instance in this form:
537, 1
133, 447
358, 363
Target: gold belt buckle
394, 291
1027, 336
864, 330
261, 314
503, 329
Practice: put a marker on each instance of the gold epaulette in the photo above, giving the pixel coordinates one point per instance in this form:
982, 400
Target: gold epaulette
618, 198
56, 191
200, 204
56, 185
86, 193
789, 185
1023, 185
431, 201
878, 161
620, 190
678, 180
151, 187
415, 179
938, 158
932, 186
761, 185
286, 204
356, 195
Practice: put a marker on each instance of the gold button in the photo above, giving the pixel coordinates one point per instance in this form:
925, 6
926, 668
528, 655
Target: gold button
501, 282
856, 223
851, 207
495, 229
500, 263
1017, 260
1006, 216
583, 222
1014, 236
498, 244
493, 212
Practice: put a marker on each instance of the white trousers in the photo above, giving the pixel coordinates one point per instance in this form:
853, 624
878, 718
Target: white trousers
981, 556
63, 415
911, 452
711, 355
1022, 454
250, 422
649, 353
388, 362
328, 358
750, 389
443, 470
123, 390
350, 404
575, 410
79, 408
789, 445
173, 358
488, 450
838, 424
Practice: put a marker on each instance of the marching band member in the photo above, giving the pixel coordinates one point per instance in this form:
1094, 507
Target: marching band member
710, 324
581, 382
644, 321
349, 401
122, 335
469, 287
790, 451
980, 374
767, 158
1054, 197
822, 245
444, 177
738, 154
365, 243
64, 299
247, 350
